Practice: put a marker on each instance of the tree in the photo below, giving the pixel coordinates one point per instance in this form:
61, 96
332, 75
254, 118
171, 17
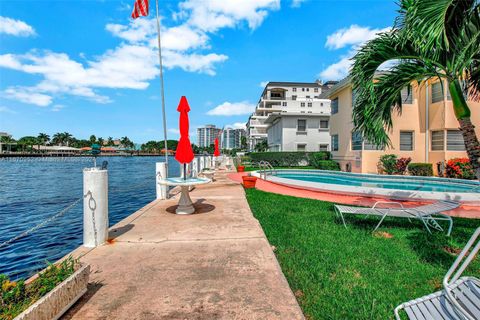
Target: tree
243, 143
261, 146
93, 139
101, 141
42, 139
58, 139
430, 40
110, 141
67, 138
27, 142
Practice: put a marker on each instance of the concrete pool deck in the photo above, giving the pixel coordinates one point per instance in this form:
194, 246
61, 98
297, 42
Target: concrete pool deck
215, 264
464, 211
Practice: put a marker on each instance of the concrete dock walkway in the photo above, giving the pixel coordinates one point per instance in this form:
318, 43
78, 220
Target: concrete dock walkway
215, 264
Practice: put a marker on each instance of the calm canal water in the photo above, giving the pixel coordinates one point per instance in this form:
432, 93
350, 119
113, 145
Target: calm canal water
32, 190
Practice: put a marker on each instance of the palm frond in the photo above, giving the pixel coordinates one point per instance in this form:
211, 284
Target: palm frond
377, 101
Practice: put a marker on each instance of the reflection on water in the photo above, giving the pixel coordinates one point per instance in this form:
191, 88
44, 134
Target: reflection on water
33, 190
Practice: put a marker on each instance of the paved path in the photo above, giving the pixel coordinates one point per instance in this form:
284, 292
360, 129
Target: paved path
216, 264
465, 211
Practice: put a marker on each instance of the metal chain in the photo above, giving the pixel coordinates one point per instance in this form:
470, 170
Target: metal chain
92, 205
43, 223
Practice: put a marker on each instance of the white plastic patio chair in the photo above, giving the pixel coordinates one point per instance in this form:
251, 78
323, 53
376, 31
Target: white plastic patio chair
460, 298
428, 214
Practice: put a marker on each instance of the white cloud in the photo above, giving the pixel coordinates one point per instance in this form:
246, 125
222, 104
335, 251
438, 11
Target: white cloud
133, 63
211, 15
232, 109
4, 109
237, 125
57, 107
338, 70
263, 84
26, 95
297, 3
353, 35
15, 27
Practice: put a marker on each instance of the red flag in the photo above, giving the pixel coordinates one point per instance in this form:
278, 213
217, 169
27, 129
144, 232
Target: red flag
140, 8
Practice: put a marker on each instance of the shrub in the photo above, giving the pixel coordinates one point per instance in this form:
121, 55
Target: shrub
288, 159
388, 163
420, 169
17, 296
401, 165
318, 156
459, 168
327, 165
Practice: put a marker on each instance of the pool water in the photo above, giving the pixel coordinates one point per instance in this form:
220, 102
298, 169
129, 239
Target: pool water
384, 182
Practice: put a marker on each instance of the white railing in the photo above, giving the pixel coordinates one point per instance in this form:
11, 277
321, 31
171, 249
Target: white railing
265, 168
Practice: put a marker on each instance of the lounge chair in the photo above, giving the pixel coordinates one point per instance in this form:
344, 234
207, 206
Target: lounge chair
429, 214
460, 298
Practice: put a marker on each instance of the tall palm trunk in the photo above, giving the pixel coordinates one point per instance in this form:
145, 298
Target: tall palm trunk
462, 112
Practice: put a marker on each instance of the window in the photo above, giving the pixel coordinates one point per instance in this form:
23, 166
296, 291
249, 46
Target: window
356, 140
406, 140
308, 97
302, 104
301, 125
294, 97
334, 106
455, 140
407, 94
321, 104
303, 89
284, 104
323, 124
308, 89
353, 97
315, 89
301, 147
438, 140
437, 92
335, 142
294, 89
323, 147
309, 104
367, 145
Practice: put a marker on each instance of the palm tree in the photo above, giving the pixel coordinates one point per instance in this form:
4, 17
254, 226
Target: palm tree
110, 141
58, 139
67, 138
42, 139
430, 40
100, 141
93, 139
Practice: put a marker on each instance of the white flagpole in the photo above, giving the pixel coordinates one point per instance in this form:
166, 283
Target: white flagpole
161, 84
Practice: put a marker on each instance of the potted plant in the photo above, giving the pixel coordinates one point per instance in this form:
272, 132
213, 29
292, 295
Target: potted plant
240, 168
249, 181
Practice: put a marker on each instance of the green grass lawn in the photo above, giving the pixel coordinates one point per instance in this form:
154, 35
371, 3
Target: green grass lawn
339, 273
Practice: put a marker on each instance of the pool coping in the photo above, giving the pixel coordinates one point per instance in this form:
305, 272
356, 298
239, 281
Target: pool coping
396, 194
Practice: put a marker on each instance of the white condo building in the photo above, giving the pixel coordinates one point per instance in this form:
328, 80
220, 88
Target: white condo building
291, 116
206, 135
232, 138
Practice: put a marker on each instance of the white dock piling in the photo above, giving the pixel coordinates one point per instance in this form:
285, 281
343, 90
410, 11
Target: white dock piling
195, 167
161, 172
95, 207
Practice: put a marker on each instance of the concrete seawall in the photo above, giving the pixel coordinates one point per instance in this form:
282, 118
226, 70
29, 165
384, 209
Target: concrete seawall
215, 264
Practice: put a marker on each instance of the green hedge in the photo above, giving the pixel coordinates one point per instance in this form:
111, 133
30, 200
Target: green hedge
420, 169
289, 159
327, 165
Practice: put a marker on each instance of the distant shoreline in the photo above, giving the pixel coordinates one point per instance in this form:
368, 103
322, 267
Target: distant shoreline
66, 155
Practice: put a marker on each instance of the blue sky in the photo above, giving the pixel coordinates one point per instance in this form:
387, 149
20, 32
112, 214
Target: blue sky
87, 68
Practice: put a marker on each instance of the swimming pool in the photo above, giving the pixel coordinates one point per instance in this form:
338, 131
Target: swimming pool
380, 185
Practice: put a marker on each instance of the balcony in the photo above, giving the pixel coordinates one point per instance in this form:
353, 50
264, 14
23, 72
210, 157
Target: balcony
256, 123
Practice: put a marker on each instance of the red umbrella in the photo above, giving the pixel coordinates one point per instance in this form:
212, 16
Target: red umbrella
216, 153
184, 152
